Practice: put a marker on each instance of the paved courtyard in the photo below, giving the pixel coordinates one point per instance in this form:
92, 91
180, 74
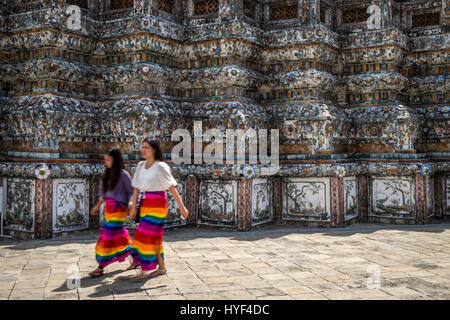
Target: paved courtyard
276, 262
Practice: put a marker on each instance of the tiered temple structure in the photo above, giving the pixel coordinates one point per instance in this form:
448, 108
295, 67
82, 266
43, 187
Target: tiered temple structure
360, 97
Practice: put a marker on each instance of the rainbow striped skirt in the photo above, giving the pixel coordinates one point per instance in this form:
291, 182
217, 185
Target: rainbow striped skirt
114, 243
148, 238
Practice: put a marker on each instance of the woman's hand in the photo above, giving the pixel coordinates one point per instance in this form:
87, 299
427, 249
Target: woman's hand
95, 210
184, 212
132, 212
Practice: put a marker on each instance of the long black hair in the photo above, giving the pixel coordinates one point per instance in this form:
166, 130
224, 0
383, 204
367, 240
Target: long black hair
112, 175
156, 146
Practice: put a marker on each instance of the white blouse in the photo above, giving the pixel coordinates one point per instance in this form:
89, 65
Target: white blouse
156, 178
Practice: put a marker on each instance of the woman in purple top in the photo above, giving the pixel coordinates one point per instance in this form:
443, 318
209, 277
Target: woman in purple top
114, 243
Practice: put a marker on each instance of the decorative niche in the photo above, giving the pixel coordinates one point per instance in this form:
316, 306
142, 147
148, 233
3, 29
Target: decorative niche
252, 11
166, 6
396, 15
120, 4
325, 14
352, 18
283, 12
323, 11
83, 4
206, 7
355, 15
25, 5
204, 11
420, 19
249, 9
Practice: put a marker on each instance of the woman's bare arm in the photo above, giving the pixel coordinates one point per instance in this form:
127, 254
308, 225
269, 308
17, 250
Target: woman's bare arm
97, 207
133, 203
184, 212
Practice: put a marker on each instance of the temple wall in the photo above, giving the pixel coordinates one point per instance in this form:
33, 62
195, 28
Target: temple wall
363, 114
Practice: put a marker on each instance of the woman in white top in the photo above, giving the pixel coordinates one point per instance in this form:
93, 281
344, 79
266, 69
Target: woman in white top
151, 179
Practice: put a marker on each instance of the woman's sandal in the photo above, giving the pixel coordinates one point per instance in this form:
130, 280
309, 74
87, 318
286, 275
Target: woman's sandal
130, 267
139, 277
157, 273
154, 274
133, 266
96, 273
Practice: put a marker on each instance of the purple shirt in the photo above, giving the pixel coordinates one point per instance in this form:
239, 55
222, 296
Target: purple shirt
122, 192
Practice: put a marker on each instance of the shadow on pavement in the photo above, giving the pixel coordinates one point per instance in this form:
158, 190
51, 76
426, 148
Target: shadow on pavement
269, 231
105, 286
